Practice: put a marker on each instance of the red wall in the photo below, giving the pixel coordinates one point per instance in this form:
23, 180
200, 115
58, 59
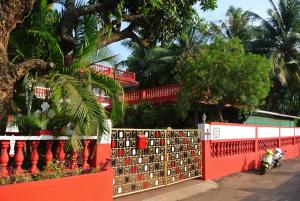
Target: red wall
102, 155
215, 167
88, 187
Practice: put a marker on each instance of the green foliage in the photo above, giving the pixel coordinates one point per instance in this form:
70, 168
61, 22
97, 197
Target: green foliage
73, 96
153, 67
52, 171
157, 21
37, 37
146, 115
237, 24
278, 37
71, 83
222, 73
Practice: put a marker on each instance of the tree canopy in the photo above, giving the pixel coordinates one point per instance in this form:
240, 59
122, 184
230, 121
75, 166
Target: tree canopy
222, 73
237, 24
278, 37
148, 22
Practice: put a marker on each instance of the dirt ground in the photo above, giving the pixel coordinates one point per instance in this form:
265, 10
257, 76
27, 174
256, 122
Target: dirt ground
281, 184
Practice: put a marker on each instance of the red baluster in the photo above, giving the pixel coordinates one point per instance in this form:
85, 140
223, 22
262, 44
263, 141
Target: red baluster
227, 148
217, 149
212, 151
235, 148
34, 157
74, 159
4, 158
242, 146
48, 155
85, 154
19, 157
60, 151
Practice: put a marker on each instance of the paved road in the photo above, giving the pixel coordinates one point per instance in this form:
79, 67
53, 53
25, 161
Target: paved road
281, 184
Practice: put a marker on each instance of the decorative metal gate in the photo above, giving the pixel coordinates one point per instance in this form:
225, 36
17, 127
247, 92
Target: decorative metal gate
171, 156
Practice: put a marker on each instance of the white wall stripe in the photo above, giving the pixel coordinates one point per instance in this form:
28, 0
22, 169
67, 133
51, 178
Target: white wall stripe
263, 132
287, 132
225, 132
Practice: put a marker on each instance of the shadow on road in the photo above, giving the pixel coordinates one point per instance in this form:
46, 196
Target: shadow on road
288, 191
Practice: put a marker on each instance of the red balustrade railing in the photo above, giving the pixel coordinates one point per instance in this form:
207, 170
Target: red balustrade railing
41, 92
118, 74
267, 143
229, 148
287, 141
16, 149
162, 94
105, 101
166, 93
297, 140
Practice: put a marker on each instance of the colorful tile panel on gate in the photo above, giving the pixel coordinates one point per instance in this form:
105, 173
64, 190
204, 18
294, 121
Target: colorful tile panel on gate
170, 156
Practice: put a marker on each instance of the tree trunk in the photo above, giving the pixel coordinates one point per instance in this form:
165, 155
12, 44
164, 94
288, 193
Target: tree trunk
12, 12
196, 118
9, 74
220, 111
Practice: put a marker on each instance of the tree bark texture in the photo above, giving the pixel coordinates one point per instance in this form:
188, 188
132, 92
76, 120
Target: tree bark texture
72, 14
12, 12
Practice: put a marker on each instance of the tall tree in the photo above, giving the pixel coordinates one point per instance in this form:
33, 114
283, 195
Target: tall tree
237, 24
12, 13
149, 22
278, 37
222, 73
155, 66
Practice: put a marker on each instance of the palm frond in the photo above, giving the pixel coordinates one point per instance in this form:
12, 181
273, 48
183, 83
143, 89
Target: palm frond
55, 52
80, 103
114, 90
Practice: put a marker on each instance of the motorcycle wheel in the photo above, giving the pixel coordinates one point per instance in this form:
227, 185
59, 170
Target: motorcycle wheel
264, 170
279, 163
276, 163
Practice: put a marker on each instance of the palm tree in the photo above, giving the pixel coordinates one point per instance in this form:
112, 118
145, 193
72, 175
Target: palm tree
236, 25
156, 66
72, 93
278, 37
153, 66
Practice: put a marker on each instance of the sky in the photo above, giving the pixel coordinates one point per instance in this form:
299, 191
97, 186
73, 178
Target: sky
258, 6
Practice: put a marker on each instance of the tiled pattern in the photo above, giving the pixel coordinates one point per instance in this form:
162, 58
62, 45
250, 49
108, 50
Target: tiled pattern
171, 156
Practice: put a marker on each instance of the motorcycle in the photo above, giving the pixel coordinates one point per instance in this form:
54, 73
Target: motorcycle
278, 157
270, 159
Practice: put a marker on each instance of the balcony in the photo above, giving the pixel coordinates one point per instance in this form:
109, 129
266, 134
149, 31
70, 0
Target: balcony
126, 78
162, 94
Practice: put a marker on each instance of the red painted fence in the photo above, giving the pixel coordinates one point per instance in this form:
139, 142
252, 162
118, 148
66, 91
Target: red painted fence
23, 156
15, 149
230, 148
169, 156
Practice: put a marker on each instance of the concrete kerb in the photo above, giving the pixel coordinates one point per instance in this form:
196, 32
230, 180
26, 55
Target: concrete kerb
185, 192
